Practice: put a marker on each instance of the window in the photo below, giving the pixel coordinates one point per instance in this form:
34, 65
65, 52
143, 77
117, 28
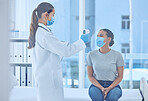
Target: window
86, 17
125, 23
125, 48
66, 28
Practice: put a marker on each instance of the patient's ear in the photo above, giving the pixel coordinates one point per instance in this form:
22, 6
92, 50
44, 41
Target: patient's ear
109, 39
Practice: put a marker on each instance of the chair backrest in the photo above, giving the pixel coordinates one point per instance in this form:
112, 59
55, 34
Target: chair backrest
144, 88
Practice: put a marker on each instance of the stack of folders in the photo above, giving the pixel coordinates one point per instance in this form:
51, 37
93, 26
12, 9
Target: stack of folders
19, 53
23, 75
20, 56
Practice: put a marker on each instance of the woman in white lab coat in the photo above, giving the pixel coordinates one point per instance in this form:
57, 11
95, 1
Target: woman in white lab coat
47, 53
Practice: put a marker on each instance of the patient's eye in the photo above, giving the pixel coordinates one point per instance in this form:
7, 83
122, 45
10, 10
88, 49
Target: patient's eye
101, 35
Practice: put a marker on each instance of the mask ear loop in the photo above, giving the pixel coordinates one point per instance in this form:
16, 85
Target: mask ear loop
49, 11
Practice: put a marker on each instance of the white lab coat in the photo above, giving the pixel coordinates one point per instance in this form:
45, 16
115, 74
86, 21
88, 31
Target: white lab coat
46, 63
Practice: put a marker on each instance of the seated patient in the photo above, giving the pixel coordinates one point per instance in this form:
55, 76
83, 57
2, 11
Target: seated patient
105, 69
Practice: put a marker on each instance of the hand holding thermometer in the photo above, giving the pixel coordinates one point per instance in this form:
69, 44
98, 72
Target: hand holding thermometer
86, 31
85, 35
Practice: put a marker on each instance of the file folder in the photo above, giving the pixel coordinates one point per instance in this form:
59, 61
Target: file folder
17, 74
25, 52
23, 76
29, 55
20, 52
11, 52
15, 52
12, 70
29, 76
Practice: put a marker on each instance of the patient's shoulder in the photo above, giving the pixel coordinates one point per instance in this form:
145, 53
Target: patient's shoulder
92, 52
116, 52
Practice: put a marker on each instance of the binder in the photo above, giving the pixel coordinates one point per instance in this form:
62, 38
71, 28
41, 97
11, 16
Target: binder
20, 52
29, 55
15, 58
25, 52
23, 76
29, 76
17, 74
11, 52
12, 69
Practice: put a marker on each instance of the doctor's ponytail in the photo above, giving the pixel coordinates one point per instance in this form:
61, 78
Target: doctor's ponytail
37, 13
33, 29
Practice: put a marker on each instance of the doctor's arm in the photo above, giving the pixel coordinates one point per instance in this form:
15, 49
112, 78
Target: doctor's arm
62, 48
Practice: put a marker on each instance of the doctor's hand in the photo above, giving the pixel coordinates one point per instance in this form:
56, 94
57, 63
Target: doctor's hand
85, 38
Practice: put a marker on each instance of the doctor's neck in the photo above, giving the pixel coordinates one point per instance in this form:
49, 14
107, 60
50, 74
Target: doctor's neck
105, 49
42, 21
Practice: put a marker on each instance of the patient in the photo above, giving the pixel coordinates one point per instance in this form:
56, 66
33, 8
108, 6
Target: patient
105, 69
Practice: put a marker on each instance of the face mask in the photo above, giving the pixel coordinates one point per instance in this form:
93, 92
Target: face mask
100, 41
50, 22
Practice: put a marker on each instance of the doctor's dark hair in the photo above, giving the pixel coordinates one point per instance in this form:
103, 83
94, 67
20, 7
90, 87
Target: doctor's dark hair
37, 13
109, 34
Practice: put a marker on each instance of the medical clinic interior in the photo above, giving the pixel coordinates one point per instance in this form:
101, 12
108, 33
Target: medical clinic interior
74, 50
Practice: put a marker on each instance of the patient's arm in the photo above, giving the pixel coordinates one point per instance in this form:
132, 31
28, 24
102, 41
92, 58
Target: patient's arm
119, 78
92, 79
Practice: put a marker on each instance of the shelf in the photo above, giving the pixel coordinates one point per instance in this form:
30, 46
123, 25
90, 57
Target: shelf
21, 64
18, 40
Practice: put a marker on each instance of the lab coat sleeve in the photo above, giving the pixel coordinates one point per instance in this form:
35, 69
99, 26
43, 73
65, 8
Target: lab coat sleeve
61, 48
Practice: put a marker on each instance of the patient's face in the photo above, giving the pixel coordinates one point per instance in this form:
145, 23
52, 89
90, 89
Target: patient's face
102, 34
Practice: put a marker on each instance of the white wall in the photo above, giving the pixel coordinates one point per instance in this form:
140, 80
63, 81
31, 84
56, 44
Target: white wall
108, 15
4, 84
24, 9
140, 26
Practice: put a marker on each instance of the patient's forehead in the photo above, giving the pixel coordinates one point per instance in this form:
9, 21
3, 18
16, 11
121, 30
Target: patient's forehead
102, 33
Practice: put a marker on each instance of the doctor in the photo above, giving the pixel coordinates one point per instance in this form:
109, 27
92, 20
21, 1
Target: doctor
47, 51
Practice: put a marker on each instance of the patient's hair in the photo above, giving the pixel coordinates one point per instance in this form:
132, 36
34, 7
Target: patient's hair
109, 34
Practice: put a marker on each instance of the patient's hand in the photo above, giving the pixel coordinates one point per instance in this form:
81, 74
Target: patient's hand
106, 90
103, 90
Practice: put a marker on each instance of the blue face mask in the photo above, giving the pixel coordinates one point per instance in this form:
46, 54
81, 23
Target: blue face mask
100, 41
50, 22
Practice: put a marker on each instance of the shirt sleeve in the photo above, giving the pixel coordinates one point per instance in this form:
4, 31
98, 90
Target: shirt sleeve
120, 60
61, 48
88, 61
